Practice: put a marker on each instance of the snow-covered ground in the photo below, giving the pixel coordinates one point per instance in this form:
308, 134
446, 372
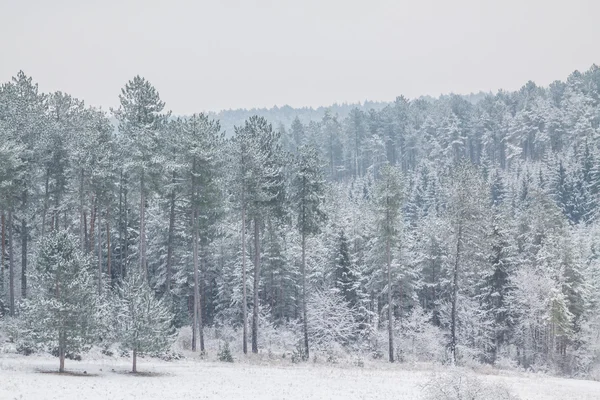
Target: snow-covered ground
23, 378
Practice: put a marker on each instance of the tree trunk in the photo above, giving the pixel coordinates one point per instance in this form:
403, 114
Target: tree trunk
46, 198
390, 306
120, 227
85, 232
197, 318
171, 234
244, 296
201, 293
455, 296
108, 256
99, 254
11, 266
24, 248
143, 265
255, 286
126, 235
81, 215
3, 251
91, 241
61, 354
61, 344
134, 369
304, 313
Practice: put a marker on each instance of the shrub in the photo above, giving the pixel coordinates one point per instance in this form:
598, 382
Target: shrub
225, 353
460, 385
299, 354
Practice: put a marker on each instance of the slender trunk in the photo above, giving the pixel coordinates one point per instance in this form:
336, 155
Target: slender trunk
99, 254
197, 317
91, 241
24, 234
108, 255
390, 306
81, 215
143, 265
3, 250
46, 198
11, 266
304, 314
331, 156
435, 314
455, 295
134, 369
171, 234
200, 317
120, 223
126, 235
85, 232
256, 282
194, 255
56, 214
61, 352
244, 296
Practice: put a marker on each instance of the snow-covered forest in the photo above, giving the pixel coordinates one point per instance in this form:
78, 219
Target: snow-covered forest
455, 230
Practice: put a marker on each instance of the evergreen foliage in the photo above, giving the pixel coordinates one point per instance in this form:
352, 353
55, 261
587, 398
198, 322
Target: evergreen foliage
466, 221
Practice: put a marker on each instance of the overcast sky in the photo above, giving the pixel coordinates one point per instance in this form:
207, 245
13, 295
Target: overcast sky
212, 55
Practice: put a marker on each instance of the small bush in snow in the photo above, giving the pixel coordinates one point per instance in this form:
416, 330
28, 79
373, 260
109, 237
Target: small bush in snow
225, 353
462, 385
419, 340
299, 354
331, 320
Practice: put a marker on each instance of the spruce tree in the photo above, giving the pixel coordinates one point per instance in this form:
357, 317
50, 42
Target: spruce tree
63, 310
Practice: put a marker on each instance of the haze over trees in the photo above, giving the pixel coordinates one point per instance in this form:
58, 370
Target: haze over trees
453, 229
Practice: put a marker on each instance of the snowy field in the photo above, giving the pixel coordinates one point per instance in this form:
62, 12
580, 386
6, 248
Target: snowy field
25, 378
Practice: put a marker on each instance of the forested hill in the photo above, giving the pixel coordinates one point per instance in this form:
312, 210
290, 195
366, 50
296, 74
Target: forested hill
285, 115
282, 117
458, 229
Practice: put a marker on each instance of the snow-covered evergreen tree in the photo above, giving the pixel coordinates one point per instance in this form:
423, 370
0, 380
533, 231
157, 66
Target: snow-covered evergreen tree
145, 323
64, 309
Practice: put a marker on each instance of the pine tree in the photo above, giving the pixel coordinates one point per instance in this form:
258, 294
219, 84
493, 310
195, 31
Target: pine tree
308, 200
140, 120
345, 278
64, 307
11, 168
24, 114
258, 187
145, 322
388, 203
201, 139
465, 212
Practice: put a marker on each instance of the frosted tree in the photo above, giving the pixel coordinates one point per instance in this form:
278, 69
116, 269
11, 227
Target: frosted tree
145, 322
24, 115
140, 120
465, 211
200, 141
257, 181
332, 320
63, 311
308, 194
388, 203
10, 170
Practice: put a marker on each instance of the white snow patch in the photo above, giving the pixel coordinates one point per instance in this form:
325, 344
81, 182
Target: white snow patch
20, 378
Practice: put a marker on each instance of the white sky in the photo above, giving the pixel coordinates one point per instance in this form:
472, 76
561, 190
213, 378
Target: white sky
216, 54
